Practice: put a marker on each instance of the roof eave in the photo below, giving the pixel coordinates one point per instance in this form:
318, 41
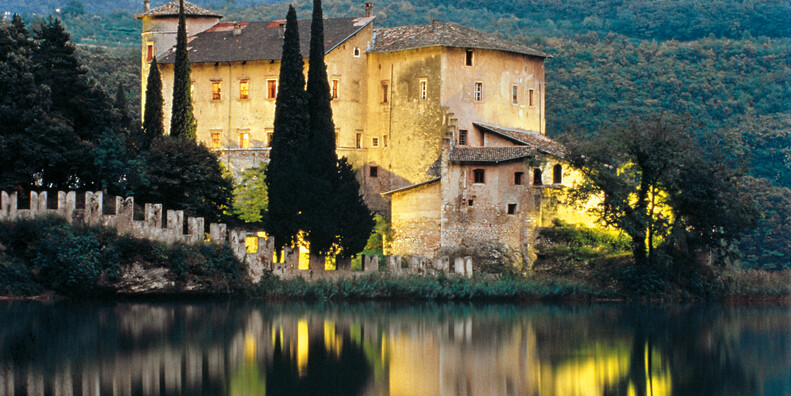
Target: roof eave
407, 188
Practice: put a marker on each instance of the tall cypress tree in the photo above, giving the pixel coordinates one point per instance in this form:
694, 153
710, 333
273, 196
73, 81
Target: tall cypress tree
285, 175
152, 117
182, 122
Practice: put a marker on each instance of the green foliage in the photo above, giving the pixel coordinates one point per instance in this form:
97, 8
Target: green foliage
251, 199
352, 221
767, 245
380, 238
639, 281
153, 124
182, 122
185, 175
571, 243
69, 262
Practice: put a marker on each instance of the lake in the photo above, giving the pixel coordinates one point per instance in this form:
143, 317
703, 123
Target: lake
258, 348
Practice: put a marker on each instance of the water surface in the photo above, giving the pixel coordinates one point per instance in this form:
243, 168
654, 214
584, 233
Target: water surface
259, 348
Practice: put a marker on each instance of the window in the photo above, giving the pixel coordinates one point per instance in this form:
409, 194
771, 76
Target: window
216, 90
149, 52
271, 89
478, 91
537, 177
468, 60
335, 84
423, 88
356, 52
215, 139
270, 133
514, 94
358, 142
478, 176
470, 202
462, 137
511, 209
244, 138
244, 89
518, 178
373, 171
374, 142
385, 91
384, 141
557, 174
530, 97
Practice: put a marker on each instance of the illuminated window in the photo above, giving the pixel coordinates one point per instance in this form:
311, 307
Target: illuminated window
215, 139
518, 178
373, 171
374, 142
244, 89
423, 88
244, 138
468, 59
356, 52
270, 133
478, 91
530, 97
216, 90
271, 89
335, 84
462, 137
557, 174
514, 94
478, 176
358, 143
537, 177
149, 52
511, 208
385, 91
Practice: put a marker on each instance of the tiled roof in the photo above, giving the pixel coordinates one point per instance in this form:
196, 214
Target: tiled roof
262, 41
529, 138
172, 9
490, 154
444, 34
402, 189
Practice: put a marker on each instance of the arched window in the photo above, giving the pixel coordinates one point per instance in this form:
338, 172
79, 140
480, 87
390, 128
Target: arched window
537, 177
557, 174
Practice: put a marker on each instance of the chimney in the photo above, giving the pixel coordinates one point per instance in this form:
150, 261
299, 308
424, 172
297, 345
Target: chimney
237, 29
369, 9
281, 30
146, 5
433, 24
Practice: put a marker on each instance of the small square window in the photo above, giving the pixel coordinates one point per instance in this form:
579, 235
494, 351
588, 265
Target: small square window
478, 91
537, 177
244, 139
216, 90
511, 208
468, 58
470, 202
518, 178
373, 171
149, 52
271, 89
356, 52
244, 89
514, 94
215, 139
478, 176
374, 142
335, 85
270, 133
462, 137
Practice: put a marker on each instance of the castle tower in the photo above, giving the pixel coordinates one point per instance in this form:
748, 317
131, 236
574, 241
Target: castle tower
160, 25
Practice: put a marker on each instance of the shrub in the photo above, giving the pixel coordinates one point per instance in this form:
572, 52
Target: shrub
69, 263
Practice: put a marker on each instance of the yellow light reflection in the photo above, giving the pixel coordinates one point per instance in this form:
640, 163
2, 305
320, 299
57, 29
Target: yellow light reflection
250, 348
303, 342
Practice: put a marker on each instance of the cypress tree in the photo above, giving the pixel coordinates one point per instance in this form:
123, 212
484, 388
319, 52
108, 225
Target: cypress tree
121, 105
182, 122
285, 175
152, 117
352, 219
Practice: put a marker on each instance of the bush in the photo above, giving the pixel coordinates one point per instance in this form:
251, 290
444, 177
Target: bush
69, 263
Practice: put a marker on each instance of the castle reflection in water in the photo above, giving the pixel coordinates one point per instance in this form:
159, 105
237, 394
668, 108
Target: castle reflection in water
451, 349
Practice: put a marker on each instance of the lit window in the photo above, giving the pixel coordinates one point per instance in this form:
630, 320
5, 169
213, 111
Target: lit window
356, 52
478, 91
478, 176
373, 171
244, 139
149, 52
537, 177
374, 142
270, 133
518, 178
557, 174
530, 97
514, 94
385, 91
462, 137
423, 88
468, 60
271, 89
244, 89
335, 84
358, 143
511, 209
216, 90
215, 139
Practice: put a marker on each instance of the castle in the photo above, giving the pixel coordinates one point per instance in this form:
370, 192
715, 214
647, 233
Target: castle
445, 124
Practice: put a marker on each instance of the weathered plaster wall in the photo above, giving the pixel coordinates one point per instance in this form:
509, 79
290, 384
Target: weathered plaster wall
416, 220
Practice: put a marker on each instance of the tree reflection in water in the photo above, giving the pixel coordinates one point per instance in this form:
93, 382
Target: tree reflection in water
380, 349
